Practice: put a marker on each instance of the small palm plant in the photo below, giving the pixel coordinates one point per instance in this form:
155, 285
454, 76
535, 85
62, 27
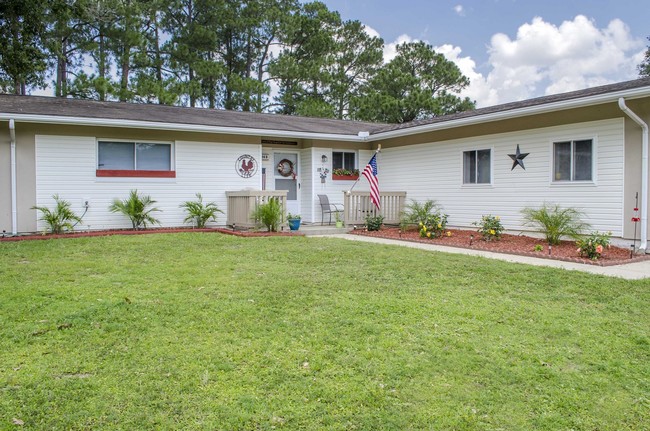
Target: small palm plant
555, 222
60, 218
137, 209
199, 212
417, 213
269, 214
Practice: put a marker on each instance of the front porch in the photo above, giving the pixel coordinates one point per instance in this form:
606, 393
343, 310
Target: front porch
356, 208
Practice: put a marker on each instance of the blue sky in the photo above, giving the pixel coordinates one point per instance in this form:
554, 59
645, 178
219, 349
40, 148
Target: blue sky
517, 49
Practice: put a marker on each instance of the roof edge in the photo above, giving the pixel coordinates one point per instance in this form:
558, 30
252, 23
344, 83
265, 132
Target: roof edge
598, 99
178, 127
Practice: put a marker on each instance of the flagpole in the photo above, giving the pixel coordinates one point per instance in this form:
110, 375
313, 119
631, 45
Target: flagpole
358, 178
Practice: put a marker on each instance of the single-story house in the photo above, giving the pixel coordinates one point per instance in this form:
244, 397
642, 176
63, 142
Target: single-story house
585, 149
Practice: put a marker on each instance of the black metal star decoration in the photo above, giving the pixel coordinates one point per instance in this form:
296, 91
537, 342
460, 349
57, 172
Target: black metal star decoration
518, 159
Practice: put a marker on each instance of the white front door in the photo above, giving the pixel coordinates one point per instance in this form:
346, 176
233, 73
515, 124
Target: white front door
286, 177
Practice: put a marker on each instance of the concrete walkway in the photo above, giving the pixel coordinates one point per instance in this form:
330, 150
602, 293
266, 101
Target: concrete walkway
630, 271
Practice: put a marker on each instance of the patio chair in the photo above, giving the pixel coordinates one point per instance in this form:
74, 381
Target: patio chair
327, 208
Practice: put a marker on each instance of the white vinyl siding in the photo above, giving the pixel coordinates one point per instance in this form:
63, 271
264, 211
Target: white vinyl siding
66, 166
434, 171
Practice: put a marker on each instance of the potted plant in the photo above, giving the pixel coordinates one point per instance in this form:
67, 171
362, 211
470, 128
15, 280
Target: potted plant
339, 222
294, 221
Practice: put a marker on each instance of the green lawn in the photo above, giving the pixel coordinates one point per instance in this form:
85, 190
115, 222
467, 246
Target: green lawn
204, 331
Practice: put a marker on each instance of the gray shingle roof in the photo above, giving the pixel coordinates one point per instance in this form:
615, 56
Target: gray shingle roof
53, 106
87, 109
594, 91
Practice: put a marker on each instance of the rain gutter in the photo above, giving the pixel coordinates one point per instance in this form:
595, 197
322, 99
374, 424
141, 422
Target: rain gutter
14, 189
644, 172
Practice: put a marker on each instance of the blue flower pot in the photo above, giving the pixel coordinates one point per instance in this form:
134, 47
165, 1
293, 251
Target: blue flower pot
294, 223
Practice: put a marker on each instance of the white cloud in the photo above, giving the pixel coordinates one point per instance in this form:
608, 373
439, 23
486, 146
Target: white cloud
370, 31
546, 59
549, 59
390, 49
459, 9
478, 88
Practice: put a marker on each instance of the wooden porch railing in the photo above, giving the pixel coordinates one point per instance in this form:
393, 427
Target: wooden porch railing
357, 206
242, 204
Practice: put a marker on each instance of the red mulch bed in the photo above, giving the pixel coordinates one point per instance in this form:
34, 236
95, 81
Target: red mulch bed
510, 244
146, 232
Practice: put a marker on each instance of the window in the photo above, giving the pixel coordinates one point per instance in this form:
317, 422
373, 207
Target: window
476, 167
343, 160
573, 160
134, 159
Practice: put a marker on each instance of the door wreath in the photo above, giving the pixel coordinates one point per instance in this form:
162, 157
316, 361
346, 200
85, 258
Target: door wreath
285, 168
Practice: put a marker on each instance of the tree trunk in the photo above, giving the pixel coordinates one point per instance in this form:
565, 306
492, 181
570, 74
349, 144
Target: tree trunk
124, 81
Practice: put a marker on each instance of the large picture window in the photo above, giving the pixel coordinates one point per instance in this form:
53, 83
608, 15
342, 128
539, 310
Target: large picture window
573, 160
477, 166
134, 159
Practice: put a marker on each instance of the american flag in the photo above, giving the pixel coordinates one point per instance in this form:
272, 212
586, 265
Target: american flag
370, 172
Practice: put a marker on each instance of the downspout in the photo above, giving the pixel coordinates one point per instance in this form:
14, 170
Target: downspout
14, 189
644, 172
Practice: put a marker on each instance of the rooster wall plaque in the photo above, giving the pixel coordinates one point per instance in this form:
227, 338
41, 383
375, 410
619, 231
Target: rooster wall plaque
246, 166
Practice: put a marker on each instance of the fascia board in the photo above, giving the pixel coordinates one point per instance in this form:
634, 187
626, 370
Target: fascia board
515, 113
105, 122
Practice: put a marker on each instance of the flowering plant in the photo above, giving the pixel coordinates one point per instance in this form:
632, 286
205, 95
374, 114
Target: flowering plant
593, 245
434, 225
341, 171
490, 227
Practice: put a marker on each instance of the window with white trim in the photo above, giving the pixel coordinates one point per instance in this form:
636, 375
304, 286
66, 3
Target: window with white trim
477, 166
344, 160
573, 160
121, 158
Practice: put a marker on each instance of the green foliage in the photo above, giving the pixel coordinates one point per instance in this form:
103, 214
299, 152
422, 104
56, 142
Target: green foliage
374, 223
555, 222
418, 83
269, 214
490, 227
60, 218
293, 216
593, 245
137, 209
23, 60
417, 213
341, 171
433, 225
220, 54
200, 213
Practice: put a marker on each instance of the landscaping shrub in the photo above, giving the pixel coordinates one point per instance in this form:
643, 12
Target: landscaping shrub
434, 225
60, 218
490, 227
269, 214
593, 245
555, 222
137, 209
417, 213
199, 212
374, 222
